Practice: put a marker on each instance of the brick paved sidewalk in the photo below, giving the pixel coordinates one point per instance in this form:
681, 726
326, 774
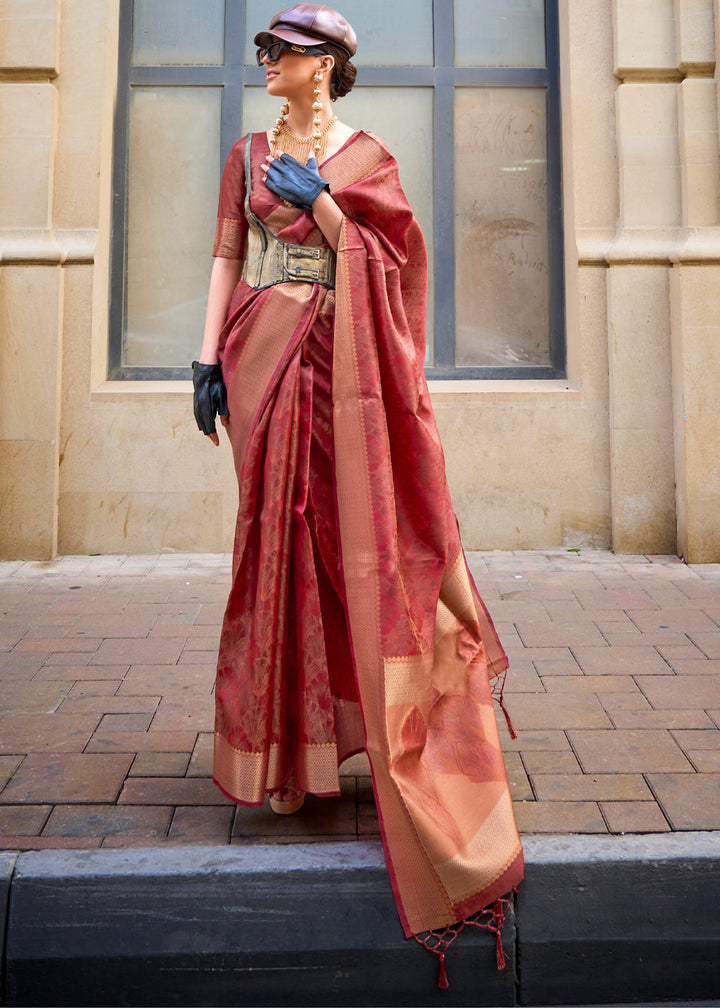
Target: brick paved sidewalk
106, 709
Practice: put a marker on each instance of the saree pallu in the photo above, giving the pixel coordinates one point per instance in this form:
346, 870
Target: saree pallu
353, 622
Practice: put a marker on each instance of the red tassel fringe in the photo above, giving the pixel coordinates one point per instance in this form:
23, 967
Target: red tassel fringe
491, 918
499, 920
498, 689
503, 708
499, 954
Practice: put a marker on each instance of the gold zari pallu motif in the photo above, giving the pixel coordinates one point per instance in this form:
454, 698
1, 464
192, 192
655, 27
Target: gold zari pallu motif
270, 261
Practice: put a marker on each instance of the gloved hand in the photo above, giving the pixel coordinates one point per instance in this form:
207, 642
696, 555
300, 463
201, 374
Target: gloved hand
297, 183
210, 397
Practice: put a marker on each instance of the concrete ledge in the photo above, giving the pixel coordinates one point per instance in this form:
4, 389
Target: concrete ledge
266, 925
618, 919
7, 867
598, 920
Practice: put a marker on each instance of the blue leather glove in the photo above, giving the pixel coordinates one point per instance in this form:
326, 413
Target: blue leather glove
297, 183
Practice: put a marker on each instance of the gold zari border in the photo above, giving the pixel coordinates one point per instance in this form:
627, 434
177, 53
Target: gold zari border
228, 238
248, 776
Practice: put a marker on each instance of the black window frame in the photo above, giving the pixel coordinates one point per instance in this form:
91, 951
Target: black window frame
443, 77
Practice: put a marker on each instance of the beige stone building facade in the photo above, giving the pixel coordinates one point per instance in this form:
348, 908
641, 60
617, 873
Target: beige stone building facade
623, 453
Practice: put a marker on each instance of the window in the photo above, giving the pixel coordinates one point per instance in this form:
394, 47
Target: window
465, 93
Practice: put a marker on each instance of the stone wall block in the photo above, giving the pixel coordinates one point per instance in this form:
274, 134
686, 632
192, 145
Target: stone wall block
30, 305
701, 360
702, 446
639, 349
695, 36
678, 402
703, 529
27, 117
702, 436
649, 153
643, 517
641, 421
84, 28
644, 38
696, 401
590, 162
107, 522
699, 153
585, 521
27, 500
593, 345
28, 35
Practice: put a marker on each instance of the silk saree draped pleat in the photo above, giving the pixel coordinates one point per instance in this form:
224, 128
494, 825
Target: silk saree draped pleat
353, 622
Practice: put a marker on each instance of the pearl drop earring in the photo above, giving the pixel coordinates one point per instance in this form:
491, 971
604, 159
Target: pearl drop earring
317, 107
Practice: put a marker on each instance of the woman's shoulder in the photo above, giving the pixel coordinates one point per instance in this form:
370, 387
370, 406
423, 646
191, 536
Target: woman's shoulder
237, 151
257, 142
376, 147
364, 136
378, 140
238, 148
369, 143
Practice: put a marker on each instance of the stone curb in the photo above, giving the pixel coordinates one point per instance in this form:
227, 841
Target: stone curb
598, 920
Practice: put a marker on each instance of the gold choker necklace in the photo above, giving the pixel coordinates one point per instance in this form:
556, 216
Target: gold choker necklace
301, 147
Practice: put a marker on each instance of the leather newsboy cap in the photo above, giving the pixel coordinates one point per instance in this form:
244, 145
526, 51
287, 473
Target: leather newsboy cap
311, 24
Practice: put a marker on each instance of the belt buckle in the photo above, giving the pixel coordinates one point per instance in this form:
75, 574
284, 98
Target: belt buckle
301, 270
304, 252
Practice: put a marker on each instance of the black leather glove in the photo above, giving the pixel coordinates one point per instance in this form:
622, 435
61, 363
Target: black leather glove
297, 183
210, 397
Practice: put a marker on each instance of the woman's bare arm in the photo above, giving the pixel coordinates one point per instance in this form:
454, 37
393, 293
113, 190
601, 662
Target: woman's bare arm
223, 280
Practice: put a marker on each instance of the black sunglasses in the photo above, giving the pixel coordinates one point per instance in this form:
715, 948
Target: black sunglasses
275, 50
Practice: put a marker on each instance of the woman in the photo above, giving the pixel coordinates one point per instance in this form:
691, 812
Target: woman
352, 622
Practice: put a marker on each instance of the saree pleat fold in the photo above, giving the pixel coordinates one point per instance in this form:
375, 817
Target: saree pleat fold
353, 622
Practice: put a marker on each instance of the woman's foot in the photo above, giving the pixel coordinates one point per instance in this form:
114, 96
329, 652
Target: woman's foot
287, 800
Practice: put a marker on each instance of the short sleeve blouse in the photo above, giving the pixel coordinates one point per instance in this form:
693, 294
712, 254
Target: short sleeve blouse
231, 227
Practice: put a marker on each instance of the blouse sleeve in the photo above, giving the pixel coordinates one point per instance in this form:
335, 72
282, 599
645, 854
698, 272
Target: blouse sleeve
231, 222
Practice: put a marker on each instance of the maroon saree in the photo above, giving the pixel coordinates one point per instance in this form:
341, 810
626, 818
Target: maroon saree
353, 623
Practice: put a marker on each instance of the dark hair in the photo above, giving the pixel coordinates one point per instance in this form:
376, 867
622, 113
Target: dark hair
344, 71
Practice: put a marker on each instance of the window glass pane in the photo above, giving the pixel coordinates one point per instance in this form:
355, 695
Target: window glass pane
402, 117
501, 233
397, 34
173, 180
178, 32
500, 33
